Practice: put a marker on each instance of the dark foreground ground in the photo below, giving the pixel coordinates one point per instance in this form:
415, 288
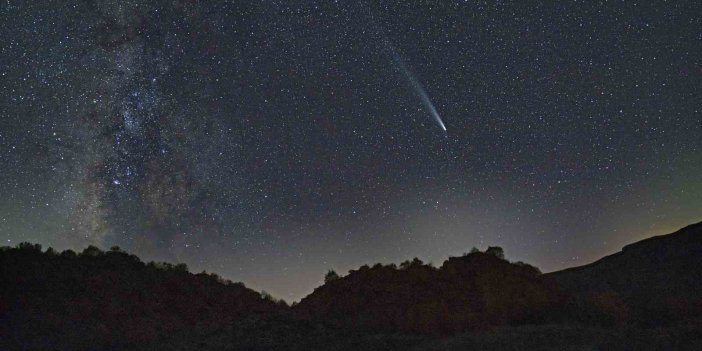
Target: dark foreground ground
537, 337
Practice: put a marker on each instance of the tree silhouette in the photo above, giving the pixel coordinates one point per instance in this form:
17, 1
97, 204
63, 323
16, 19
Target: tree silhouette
29, 247
91, 251
330, 276
496, 251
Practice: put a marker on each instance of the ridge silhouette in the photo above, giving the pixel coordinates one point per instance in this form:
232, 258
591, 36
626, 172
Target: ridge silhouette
470, 292
655, 281
648, 296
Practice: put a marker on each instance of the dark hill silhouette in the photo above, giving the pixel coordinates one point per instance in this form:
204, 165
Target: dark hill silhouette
647, 297
653, 282
475, 291
105, 300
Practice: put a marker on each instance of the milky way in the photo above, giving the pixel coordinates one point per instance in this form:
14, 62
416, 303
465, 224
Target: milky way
271, 141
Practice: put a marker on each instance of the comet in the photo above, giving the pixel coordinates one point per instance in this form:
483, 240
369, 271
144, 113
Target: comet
416, 85
413, 81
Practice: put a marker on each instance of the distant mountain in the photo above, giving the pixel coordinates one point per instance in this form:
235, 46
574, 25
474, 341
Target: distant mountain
109, 300
475, 291
652, 282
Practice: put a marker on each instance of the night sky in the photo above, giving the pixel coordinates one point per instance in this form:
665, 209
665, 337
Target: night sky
270, 142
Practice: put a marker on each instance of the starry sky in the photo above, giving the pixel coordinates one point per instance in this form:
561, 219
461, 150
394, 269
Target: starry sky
269, 141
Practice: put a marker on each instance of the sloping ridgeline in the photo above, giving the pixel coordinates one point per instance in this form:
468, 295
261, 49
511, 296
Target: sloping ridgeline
109, 300
478, 290
656, 281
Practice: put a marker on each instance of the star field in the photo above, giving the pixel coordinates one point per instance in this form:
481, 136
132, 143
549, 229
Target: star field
269, 142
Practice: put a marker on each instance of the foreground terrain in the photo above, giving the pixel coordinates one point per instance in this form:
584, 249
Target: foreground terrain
646, 297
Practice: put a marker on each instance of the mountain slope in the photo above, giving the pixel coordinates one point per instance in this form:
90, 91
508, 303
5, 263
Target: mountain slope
109, 300
653, 281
